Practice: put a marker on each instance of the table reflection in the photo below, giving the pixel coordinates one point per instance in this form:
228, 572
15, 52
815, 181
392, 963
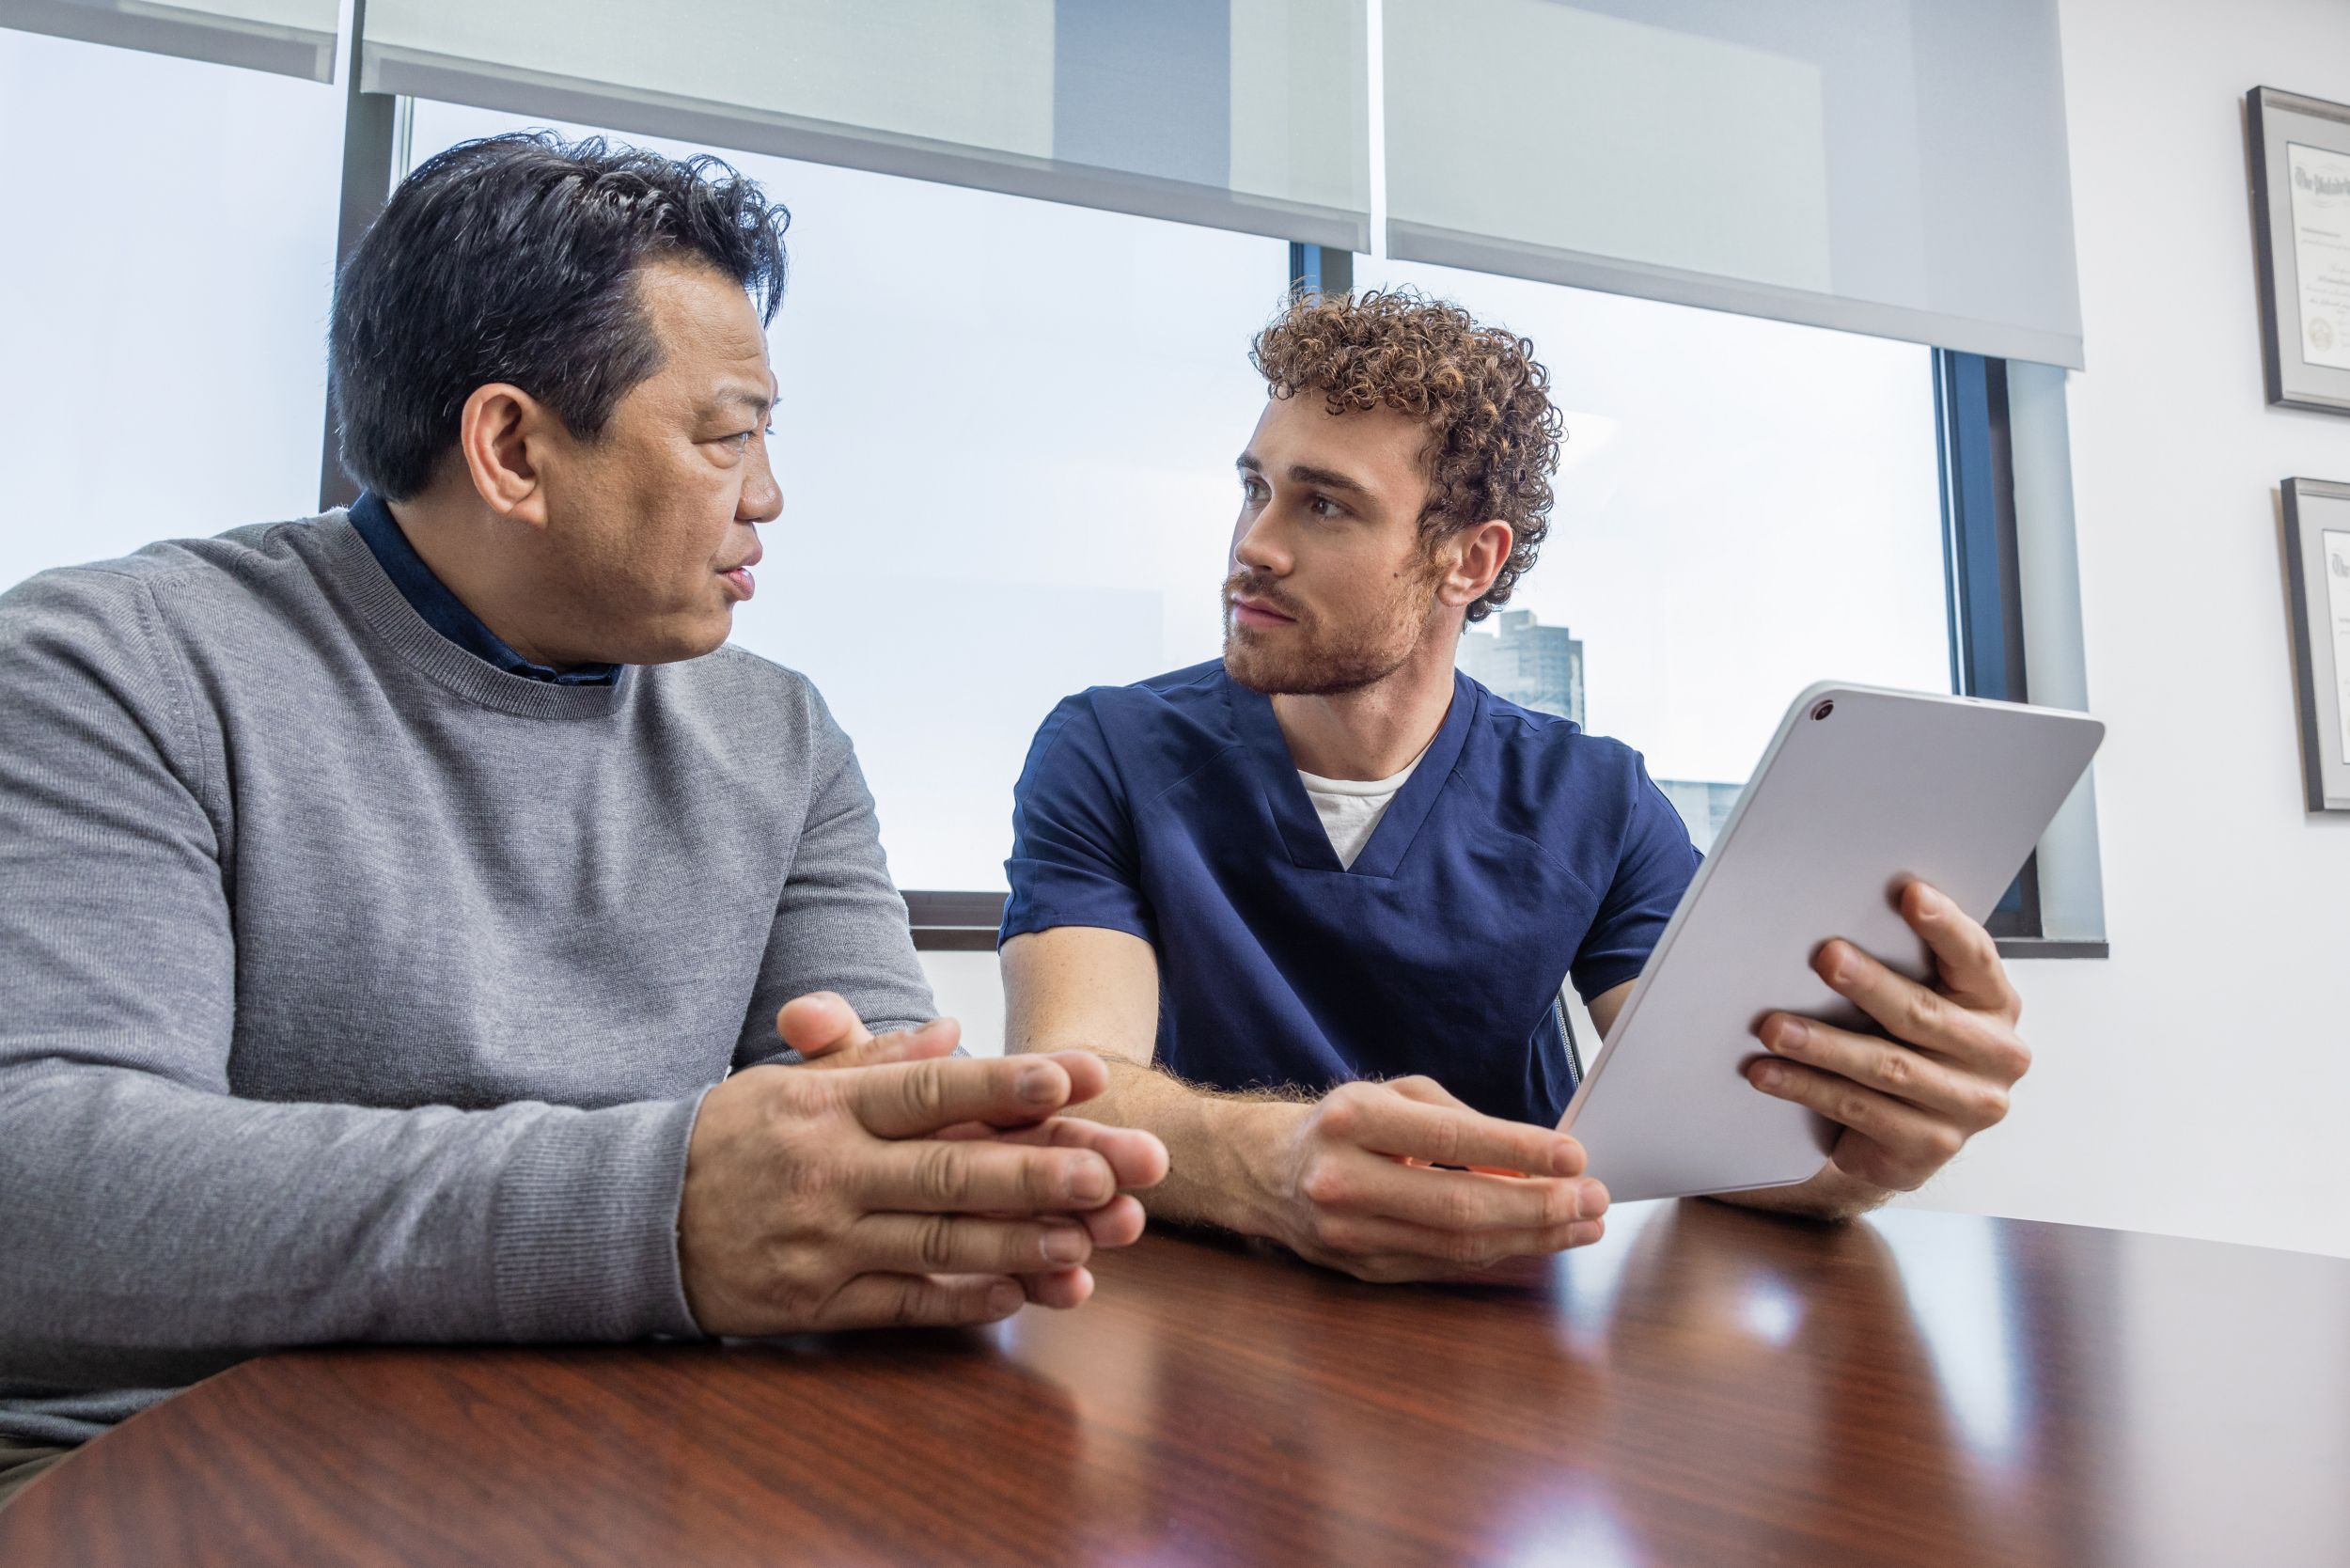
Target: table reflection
1657, 1397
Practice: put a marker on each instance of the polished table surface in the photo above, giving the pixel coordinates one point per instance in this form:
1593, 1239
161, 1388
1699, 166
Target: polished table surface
1707, 1385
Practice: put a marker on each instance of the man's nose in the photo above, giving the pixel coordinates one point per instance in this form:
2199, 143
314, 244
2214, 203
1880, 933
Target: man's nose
1260, 548
761, 500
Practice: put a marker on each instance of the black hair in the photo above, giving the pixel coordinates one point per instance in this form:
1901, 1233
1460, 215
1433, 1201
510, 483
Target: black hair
513, 258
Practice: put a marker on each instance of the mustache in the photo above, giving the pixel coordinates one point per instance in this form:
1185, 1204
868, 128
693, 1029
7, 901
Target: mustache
1249, 585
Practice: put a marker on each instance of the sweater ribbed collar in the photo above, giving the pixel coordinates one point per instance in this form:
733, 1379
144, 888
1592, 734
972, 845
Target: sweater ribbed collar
442, 610
351, 569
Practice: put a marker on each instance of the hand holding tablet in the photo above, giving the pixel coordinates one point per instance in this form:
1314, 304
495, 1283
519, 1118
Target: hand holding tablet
1861, 793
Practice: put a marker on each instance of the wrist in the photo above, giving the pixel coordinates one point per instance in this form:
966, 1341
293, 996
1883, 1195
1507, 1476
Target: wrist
1837, 1196
1261, 1137
1828, 1193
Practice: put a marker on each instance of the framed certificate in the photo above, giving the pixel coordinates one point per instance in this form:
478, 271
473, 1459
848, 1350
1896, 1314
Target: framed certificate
2300, 156
2317, 567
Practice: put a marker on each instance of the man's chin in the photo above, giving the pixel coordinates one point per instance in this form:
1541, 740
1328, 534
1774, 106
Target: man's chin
676, 641
1254, 669
1247, 679
1304, 672
1251, 670
707, 637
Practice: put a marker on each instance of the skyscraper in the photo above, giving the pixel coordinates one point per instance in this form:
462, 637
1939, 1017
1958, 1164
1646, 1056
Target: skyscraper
1540, 667
1704, 807
1531, 664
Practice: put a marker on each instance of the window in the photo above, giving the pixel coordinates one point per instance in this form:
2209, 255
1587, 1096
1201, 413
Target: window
1005, 444
169, 272
1744, 507
1006, 440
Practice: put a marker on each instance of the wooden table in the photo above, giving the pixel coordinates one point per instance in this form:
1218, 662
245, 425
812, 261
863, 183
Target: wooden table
1707, 1387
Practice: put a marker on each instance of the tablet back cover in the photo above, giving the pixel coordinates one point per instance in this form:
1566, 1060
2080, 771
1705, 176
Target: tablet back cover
1860, 790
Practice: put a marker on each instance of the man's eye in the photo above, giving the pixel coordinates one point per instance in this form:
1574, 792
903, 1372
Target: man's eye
1325, 507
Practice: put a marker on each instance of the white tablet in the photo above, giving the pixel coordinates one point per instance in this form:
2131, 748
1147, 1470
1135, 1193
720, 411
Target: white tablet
1860, 790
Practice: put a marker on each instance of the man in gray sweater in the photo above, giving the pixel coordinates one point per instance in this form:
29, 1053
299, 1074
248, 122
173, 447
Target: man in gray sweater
383, 894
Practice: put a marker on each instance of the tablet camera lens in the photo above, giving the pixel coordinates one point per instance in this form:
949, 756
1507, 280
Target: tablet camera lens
1822, 709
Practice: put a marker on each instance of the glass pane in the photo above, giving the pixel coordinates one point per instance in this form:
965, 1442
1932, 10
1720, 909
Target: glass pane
1744, 507
1005, 444
170, 259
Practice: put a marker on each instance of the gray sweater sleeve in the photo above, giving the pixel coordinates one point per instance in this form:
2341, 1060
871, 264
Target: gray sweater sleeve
148, 1210
841, 924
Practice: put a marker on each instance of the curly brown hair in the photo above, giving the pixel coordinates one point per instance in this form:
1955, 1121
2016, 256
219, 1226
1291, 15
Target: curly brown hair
1493, 434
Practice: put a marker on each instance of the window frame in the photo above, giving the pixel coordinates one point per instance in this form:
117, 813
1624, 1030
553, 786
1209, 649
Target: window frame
1983, 579
1982, 573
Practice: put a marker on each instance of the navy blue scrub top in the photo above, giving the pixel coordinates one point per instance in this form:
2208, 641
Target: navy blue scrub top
1521, 849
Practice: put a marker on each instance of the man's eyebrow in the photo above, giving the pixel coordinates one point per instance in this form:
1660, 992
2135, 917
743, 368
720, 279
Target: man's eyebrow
1328, 479
743, 397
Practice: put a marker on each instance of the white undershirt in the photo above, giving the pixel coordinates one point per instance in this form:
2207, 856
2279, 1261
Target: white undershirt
1350, 809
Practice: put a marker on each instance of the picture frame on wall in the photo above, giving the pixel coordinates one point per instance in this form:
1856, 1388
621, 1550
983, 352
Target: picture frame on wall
2300, 162
2317, 574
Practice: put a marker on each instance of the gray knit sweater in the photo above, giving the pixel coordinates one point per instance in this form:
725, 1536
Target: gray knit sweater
352, 988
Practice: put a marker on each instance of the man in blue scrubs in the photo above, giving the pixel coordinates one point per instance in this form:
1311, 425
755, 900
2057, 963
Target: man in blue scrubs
1313, 903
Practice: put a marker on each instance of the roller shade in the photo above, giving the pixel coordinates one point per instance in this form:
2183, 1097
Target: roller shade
292, 38
1896, 167
1249, 115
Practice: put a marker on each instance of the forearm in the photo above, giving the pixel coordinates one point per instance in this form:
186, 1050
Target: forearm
1829, 1195
1217, 1144
841, 924
146, 1215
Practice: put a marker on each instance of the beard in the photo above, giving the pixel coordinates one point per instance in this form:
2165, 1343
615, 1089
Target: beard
1313, 658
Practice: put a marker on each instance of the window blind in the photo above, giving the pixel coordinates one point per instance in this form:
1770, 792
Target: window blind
292, 38
1249, 115
1895, 168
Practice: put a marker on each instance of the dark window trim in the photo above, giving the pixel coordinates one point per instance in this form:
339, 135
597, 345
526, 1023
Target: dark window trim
1982, 577
370, 151
2052, 946
954, 922
1320, 269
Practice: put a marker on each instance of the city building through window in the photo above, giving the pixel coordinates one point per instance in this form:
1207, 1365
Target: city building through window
1540, 667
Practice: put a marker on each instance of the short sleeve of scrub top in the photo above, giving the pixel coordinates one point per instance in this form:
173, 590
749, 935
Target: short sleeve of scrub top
1073, 859
1656, 865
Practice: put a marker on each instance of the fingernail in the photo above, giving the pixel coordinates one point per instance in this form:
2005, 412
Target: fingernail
1035, 1085
1591, 1202
1565, 1159
1003, 1299
1063, 1248
1789, 1034
1769, 1076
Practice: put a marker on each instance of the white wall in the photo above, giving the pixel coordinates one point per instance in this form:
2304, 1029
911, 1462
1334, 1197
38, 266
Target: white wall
2199, 1081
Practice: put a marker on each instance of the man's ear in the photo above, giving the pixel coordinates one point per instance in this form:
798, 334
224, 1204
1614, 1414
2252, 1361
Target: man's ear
502, 435
1477, 557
